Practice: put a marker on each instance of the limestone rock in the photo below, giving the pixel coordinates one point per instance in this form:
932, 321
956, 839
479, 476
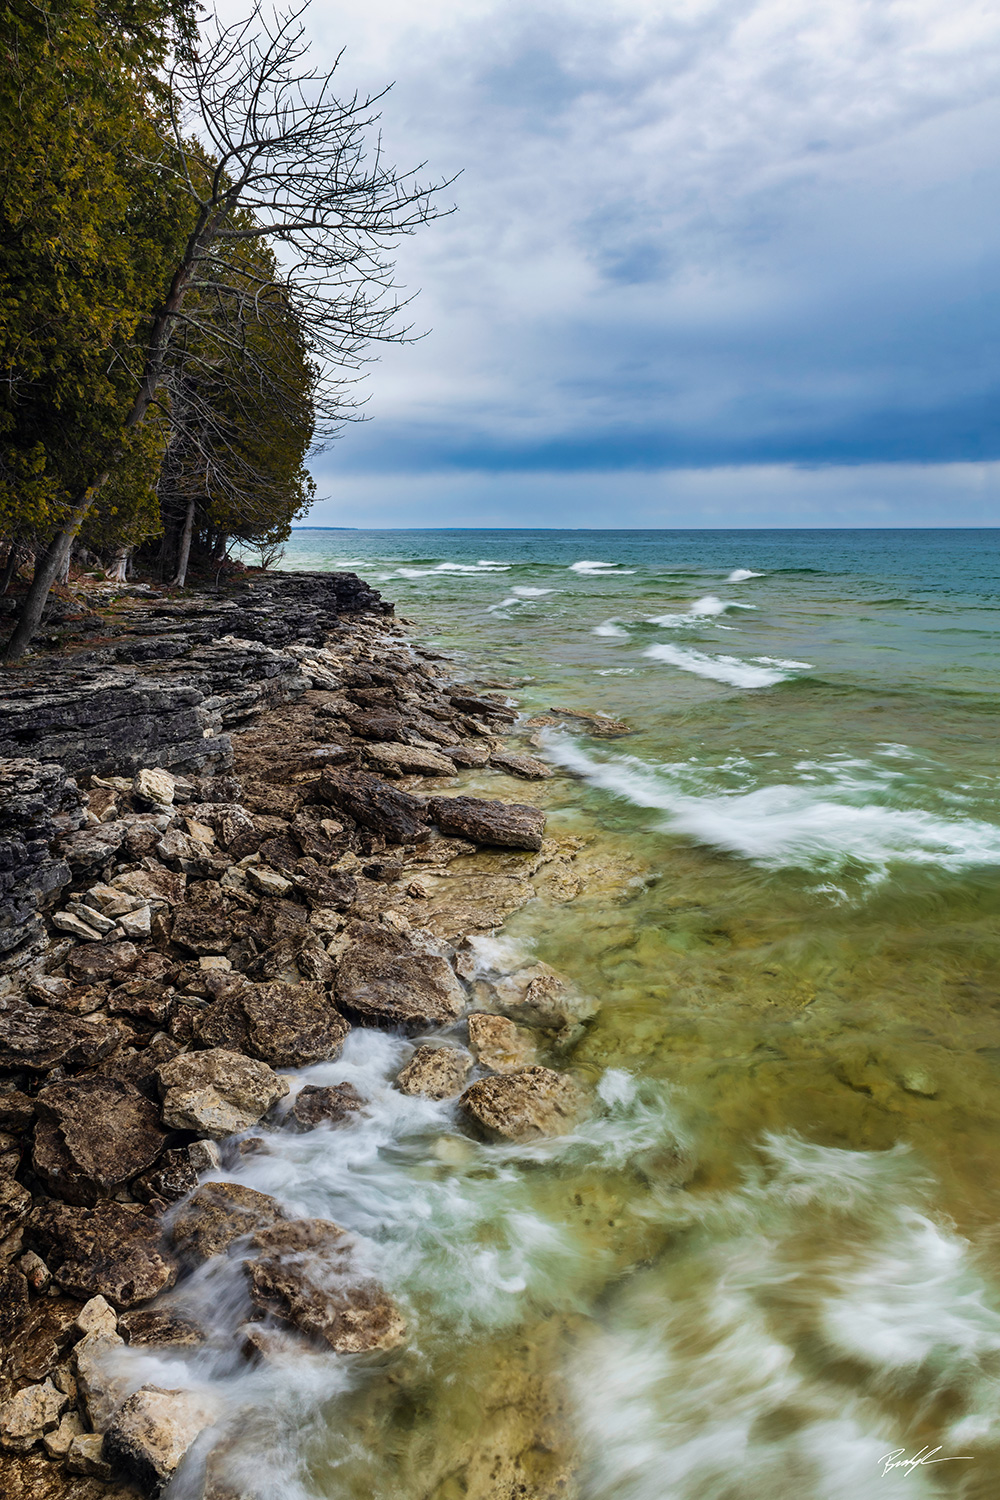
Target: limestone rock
202, 929
469, 754
57, 1443
144, 999
505, 825
435, 1072
217, 1093
152, 1431
302, 1276
108, 1129
154, 785
100, 1384
37, 1039
108, 1249
499, 1044
292, 1025
409, 760
29, 1414
97, 1316
373, 804
525, 1105
137, 924
84, 932
541, 997
382, 981
315, 1105
92, 849
154, 1326
525, 766
172, 1178
99, 961
15, 1202
268, 881
218, 1214
86, 1456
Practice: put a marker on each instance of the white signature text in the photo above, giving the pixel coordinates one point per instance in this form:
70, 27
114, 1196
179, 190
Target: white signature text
898, 1460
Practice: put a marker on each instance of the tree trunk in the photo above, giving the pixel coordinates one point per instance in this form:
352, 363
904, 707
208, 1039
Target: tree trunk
184, 550
48, 567
119, 571
13, 557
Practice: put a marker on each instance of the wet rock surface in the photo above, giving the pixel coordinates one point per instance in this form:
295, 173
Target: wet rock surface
524, 1105
237, 851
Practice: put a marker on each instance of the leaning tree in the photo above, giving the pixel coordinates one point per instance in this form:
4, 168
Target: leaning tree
264, 149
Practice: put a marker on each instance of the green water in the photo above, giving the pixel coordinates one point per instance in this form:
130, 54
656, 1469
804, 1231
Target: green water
774, 1261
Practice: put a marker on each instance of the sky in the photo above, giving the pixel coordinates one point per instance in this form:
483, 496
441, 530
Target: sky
714, 262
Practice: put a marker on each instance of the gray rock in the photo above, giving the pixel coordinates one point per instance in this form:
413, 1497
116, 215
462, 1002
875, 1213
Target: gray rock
333, 1105
408, 760
504, 825
525, 766
382, 981
154, 785
219, 1214
373, 804
217, 1093
101, 1386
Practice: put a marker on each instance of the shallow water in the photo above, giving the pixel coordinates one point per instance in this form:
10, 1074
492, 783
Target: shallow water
770, 1260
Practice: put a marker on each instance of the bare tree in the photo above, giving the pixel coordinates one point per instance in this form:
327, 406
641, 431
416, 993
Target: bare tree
291, 164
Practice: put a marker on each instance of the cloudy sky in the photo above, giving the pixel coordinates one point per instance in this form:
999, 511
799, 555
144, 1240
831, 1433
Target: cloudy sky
714, 262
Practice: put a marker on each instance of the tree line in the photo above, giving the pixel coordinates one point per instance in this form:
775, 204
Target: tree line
196, 234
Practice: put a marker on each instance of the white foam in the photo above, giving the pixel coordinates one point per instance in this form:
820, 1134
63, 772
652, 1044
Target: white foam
708, 608
728, 669
740, 575
610, 628
588, 567
530, 593
483, 566
503, 604
717, 1374
829, 821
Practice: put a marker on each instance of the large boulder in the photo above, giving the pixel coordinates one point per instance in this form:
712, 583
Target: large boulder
373, 804
37, 1039
101, 1133
302, 1275
524, 1106
286, 1025
503, 825
111, 1249
382, 981
92, 963
217, 1093
435, 1072
219, 1214
152, 1430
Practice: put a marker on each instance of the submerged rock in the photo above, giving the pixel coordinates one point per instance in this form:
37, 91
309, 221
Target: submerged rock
302, 1276
499, 1044
503, 825
217, 1093
315, 1105
219, 1214
525, 1105
435, 1072
525, 766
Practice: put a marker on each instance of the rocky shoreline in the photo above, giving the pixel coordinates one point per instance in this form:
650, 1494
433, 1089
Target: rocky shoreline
233, 828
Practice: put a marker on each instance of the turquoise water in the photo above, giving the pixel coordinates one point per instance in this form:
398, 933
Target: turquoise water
796, 955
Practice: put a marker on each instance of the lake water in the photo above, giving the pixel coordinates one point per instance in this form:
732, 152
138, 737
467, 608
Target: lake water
771, 1260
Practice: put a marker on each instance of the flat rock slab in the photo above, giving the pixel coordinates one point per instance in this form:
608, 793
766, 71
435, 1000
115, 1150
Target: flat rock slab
150, 1326
94, 962
105, 1133
503, 825
302, 1275
217, 1093
409, 760
524, 1106
383, 984
525, 766
110, 1250
219, 1214
37, 1039
435, 1073
315, 1105
373, 804
469, 754
499, 1044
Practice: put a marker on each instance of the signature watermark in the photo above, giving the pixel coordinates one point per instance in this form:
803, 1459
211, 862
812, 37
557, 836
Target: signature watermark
897, 1459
